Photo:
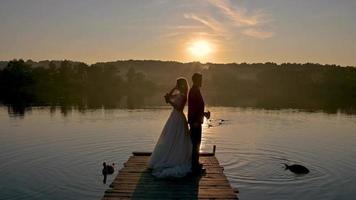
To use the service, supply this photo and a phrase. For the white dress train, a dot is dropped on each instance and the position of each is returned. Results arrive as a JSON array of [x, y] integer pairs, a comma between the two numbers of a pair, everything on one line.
[[172, 154]]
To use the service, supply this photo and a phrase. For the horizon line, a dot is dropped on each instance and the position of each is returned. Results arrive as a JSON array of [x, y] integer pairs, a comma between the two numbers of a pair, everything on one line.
[[176, 61]]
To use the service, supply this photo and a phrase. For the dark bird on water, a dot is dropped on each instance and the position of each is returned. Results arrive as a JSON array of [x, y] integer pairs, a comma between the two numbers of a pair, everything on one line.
[[297, 169], [108, 169]]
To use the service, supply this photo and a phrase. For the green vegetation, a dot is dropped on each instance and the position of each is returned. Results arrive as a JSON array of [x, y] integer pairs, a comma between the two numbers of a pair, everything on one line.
[[134, 84], [69, 84]]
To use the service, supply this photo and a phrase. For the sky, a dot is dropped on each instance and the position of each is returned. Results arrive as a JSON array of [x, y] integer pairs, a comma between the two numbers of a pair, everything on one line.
[[220, 31]]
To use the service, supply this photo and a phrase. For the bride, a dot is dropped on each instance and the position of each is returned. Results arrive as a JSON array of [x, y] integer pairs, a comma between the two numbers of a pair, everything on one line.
[[171, 156]]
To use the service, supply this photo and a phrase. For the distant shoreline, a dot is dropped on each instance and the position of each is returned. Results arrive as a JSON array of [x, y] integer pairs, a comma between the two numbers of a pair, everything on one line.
[[136, 84], [45, 62]]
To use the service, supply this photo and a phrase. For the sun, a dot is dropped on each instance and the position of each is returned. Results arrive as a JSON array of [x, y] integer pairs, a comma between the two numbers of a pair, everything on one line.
[[200, 49]]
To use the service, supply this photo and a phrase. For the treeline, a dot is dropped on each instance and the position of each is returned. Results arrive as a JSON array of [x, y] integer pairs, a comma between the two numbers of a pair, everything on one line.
[[299, 86], [70, 84], [134, 83]]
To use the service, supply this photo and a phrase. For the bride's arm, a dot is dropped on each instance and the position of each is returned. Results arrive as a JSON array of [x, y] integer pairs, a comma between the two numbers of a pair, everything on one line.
[[168, 96], [177, 102]]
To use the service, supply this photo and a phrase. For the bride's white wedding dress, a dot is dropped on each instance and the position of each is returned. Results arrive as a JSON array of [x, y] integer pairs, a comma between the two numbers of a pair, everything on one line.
[[172, 154]]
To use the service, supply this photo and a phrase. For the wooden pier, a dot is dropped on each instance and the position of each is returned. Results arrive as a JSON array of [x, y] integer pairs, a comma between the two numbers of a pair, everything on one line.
[[135, 181]]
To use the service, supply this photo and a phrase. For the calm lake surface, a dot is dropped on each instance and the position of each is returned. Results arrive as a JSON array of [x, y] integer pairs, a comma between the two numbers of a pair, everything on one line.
[[48, 155]]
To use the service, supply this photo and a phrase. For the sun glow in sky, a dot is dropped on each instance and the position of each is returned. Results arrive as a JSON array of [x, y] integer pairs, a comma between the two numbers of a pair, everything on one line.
[[200, 49], [222, 31]]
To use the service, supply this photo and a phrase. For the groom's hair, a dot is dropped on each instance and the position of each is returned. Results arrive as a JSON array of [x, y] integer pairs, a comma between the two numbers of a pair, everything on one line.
[[197, 77]]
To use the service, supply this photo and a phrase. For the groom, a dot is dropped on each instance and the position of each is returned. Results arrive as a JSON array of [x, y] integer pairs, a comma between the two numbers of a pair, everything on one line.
[[195, 119]]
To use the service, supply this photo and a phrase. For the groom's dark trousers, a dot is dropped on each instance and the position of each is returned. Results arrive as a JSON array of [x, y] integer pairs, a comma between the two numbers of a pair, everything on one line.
[[195, 119], [195, 135]]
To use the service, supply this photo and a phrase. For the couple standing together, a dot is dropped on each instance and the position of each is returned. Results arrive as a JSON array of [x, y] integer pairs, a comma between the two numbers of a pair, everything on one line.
[[176, 153]]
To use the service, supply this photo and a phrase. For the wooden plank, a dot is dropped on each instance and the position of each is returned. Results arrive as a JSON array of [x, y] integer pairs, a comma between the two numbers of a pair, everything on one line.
[[144, 153], [135, 181], [143, 170]]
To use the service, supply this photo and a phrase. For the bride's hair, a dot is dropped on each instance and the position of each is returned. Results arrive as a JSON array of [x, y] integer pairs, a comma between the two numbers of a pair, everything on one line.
[[182, 85]]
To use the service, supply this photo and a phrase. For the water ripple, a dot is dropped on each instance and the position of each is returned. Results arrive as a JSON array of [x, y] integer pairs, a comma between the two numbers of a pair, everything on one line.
[[63, 160]]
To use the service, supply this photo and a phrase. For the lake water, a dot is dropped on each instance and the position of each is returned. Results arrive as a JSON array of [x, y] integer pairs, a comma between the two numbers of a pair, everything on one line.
[[48, 155]]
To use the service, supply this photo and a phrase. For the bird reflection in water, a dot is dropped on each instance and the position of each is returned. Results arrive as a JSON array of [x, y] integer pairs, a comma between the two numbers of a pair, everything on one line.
[[107, 170]]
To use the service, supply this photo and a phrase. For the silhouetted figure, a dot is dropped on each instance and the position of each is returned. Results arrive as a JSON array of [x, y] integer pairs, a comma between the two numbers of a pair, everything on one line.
[[297, 169], [195, 119], [171, 156], [107, 170]]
